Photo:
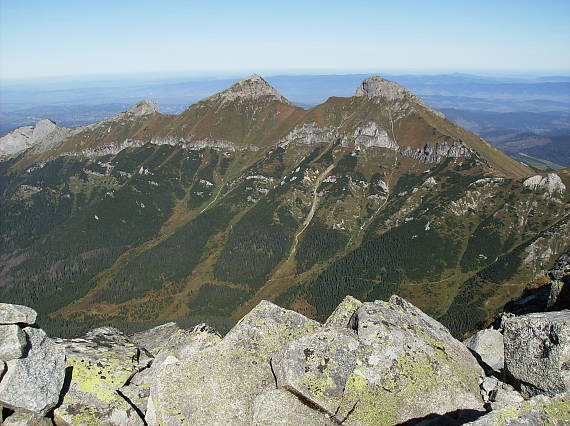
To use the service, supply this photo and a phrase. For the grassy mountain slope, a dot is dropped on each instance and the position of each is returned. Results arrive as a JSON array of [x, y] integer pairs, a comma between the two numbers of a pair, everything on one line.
[[345, 198]]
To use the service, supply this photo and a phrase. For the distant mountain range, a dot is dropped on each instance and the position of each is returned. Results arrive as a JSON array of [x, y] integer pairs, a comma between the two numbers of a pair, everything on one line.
[[145, 217]]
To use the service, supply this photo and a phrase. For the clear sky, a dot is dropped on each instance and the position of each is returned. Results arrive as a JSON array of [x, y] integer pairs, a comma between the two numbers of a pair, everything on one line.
[[65, 37]]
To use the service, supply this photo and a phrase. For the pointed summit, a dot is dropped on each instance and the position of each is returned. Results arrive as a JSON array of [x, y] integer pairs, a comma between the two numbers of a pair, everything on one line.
[[252, 88], [378, 87], [144, 107]]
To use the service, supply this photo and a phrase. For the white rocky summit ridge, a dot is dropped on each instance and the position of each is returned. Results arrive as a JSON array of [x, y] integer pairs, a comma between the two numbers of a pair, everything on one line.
[[24, 137], [253, 87]]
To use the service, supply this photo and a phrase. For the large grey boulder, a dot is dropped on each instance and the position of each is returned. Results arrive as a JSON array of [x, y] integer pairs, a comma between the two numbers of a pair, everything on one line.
[[488, 344], [540, 410], [537, 352], [102, 362], [409, 367], [280, 407], [12, 342], [17, 314], [33, 383], [316, 367], [343, 313], [219, 384]]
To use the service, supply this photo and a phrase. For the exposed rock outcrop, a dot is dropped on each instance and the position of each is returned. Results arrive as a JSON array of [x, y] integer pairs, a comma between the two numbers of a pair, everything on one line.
[[17, 314], [24, 137], [377, 88], [537, 352], [488, 344], [434, 153], [376, 363], [102, 363], [540, 410], [551, 183], [33, 382]]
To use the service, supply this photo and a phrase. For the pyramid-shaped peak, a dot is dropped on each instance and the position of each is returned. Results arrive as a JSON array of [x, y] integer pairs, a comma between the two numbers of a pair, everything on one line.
[[144, 107], [379, 87], [253, 87]]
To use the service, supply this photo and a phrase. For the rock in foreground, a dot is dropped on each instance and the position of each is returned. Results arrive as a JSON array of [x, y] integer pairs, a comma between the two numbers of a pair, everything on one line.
[[537, 352], [33, 383]]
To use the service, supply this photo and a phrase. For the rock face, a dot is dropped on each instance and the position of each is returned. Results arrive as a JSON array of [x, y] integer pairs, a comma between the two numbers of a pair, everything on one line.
[[550, 183], [102, 362], [409, 367], [12, 342], [24, 137], [488, 344], [537, 352], [33, 383], [20, 418], [376, 363], [372, 363], [17, 314], [377, 88], [540, 410], [315, 369], [219, 384], [434, 153], [344, 313]]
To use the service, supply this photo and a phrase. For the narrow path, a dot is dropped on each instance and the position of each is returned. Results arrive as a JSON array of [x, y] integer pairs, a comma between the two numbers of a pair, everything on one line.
[[309, 217]]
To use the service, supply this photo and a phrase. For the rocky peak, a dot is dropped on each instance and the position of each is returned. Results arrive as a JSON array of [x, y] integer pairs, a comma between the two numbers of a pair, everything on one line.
[[252, 88], [42, 128], [377, 88], [144, 107]]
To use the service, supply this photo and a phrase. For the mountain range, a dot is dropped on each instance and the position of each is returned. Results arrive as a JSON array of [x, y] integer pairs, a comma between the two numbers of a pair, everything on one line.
[[147, 217]]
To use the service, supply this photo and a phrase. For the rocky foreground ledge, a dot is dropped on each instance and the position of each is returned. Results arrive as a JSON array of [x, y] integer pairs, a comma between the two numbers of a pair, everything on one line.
[[377, 363]]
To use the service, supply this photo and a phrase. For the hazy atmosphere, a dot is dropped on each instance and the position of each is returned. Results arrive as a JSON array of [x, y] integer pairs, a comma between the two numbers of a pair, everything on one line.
[[311, 212]]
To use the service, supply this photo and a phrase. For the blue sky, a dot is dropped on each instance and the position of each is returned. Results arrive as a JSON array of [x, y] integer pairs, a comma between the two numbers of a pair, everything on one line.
[[54, 38]]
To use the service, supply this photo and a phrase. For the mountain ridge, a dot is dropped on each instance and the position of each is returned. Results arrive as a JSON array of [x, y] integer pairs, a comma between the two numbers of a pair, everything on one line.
[[201, 215], [201, 120]]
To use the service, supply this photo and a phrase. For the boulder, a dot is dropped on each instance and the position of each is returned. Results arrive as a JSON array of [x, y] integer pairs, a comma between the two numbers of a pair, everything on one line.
[[20, 418], [12, 342], [537, 352], [540, 410], [343, 313], [102, 363], [156, 338], [409, 366], [280, 407], [17, 314], [219, 384], [181, 345], [488, 344], [34, 383], [505, 396], [316, 367]]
